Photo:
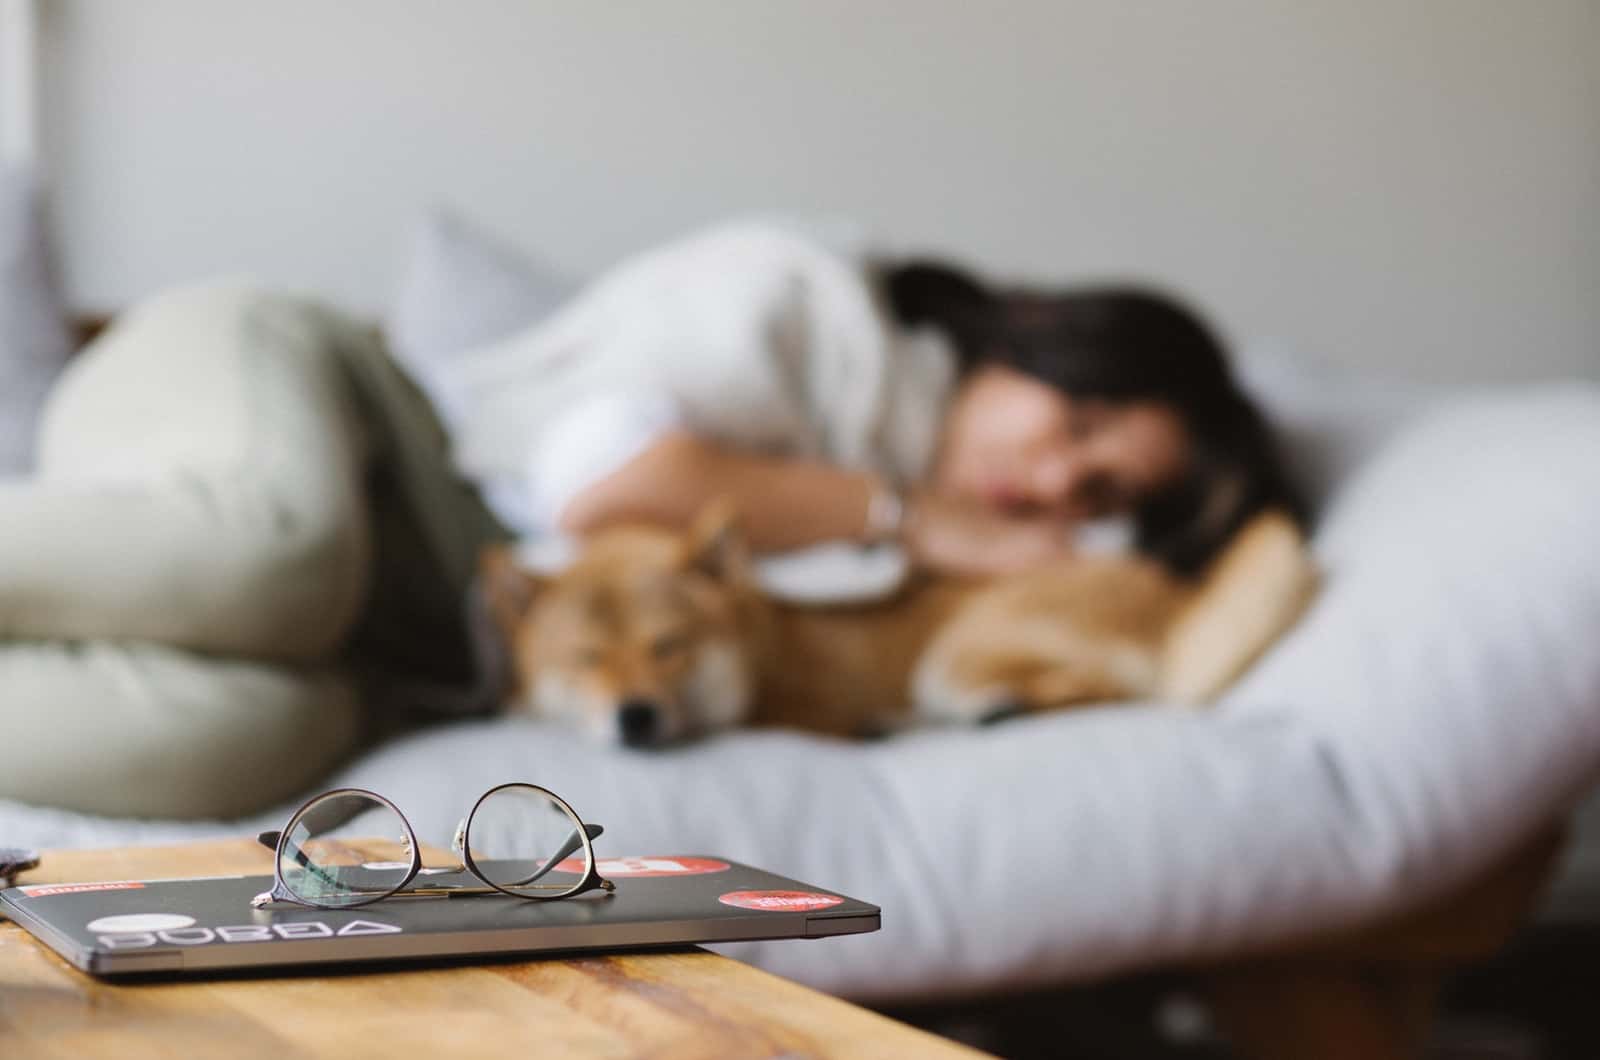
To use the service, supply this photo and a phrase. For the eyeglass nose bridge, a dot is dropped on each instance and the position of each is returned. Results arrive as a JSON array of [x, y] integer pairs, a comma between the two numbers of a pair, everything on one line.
[[458, 844]]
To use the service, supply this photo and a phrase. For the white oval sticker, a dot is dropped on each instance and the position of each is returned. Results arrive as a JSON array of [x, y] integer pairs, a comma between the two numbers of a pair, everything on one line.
[[140, 922]]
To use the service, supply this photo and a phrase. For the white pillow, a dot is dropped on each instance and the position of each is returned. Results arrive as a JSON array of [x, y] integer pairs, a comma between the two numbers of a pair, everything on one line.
[[460, 289], [34, 340], [1329, 421]]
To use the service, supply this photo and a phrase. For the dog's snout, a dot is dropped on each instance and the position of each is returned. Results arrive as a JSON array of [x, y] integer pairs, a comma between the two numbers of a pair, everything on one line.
[[639, 722], [1003, 712]]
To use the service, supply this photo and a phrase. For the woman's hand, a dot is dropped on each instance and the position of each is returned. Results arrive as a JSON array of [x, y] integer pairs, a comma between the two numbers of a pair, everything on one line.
[[959, 537]]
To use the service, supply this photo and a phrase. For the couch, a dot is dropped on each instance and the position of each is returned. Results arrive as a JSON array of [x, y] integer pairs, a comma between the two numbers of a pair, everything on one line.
[[1434, 711]]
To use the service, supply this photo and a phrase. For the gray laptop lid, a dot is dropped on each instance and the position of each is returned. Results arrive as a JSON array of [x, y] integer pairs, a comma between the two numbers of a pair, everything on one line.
[[141, 926]]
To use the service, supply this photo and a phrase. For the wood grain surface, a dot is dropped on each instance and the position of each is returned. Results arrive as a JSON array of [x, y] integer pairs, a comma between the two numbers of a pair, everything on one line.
[[687, 1003]]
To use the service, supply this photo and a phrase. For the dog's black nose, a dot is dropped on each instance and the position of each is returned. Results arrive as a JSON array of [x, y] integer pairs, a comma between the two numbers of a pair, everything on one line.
[[639, 721], [1004, 712]]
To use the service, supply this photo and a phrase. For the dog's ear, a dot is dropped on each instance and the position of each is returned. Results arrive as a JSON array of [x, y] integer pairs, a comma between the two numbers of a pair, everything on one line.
[[508, 588], [715, 543]]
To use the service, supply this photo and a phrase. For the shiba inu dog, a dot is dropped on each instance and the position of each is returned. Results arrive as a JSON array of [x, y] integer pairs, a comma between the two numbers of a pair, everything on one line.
[[655, 635]]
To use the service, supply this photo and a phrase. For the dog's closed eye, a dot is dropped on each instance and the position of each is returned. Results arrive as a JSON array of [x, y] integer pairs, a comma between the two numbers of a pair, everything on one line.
[[668, 645]]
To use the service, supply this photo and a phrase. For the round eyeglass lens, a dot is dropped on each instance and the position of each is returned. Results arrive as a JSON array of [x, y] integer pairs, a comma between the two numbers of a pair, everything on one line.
[[525, 840], [344, 849]]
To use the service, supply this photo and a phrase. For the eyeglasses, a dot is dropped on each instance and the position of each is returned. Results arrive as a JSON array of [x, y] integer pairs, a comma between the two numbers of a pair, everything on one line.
[[514, 837]]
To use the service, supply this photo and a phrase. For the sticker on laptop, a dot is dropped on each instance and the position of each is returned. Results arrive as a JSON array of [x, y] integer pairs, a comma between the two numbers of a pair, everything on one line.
[[49, 889], [780, 901], [642, 867], [140, 922]]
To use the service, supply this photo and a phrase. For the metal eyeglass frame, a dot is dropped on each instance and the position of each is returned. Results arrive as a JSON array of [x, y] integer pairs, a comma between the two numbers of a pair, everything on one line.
[[460, 845]]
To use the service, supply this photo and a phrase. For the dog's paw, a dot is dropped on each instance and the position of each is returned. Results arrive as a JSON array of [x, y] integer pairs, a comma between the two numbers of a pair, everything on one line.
[[936, 699]]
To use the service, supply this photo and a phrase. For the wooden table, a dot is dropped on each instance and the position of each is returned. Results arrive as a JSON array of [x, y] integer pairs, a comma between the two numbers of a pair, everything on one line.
[[688, 1003]]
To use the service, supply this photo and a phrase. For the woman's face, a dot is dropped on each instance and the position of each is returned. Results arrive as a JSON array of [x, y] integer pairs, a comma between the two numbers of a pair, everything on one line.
[[1021, 446]]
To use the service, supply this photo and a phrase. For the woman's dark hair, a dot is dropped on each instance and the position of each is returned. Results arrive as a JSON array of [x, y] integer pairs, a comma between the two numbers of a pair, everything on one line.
[[1121, 343]]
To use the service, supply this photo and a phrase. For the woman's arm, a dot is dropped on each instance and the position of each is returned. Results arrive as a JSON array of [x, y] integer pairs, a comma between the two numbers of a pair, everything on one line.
[[783, 502], [786, 503]]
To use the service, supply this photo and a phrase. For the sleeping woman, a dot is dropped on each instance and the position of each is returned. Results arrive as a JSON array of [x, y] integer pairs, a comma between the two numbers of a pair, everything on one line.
[[983, 429], [198, 579]]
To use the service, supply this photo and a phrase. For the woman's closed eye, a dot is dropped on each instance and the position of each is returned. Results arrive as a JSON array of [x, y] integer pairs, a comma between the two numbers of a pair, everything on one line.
[[1100, 494], [1082, 422], [1087, 418]]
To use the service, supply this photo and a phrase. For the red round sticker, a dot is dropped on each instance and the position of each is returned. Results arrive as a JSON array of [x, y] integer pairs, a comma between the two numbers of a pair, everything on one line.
[[780, 901], [652, 865]]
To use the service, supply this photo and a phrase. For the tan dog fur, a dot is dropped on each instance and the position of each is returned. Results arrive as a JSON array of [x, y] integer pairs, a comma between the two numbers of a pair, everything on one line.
[[673, 620]]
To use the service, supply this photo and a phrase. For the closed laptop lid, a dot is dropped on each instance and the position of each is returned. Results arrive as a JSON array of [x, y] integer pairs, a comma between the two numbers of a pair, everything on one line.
[[125, 927]]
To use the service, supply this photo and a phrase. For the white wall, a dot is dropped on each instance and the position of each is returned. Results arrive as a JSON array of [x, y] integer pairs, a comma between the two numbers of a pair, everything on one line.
[[1411, 185]]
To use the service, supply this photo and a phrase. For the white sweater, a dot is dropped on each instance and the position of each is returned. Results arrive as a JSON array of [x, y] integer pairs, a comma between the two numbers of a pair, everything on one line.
[[747, 334]]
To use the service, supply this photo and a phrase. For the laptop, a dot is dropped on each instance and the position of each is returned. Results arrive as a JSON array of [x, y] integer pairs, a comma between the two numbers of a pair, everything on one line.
[[135, 927]]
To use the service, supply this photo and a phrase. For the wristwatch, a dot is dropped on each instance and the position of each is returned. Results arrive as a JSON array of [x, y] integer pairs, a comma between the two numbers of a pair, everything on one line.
[[14, 860], [886, 514]]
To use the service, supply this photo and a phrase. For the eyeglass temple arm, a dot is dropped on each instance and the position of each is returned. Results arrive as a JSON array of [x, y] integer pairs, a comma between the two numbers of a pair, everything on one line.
[[270, 841], [572, 843]]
